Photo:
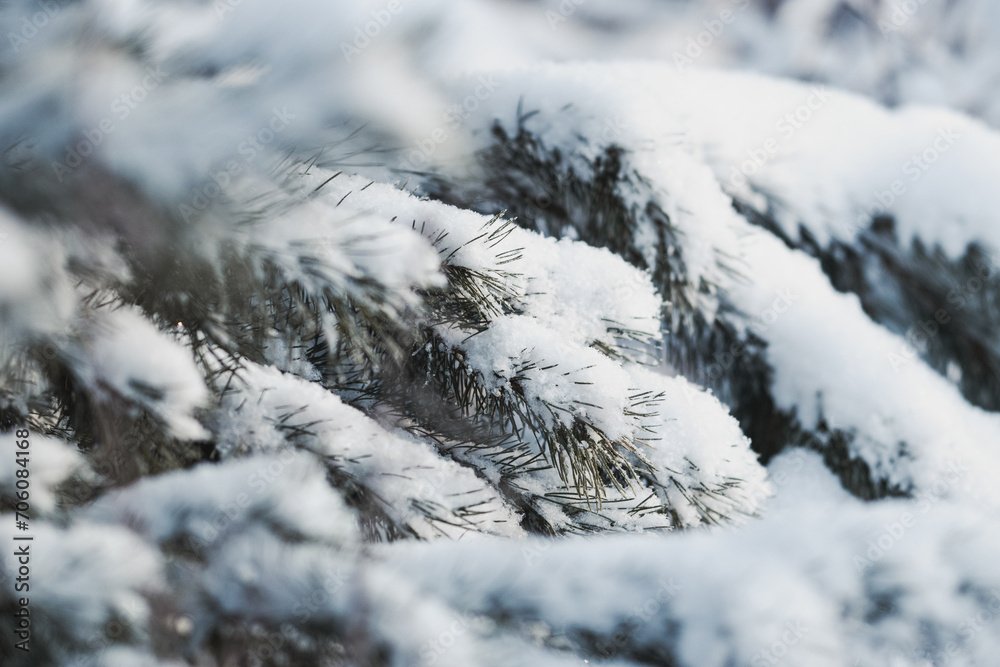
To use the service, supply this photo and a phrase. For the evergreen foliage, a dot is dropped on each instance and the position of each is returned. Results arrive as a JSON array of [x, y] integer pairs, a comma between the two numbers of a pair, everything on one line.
[[565, 393]]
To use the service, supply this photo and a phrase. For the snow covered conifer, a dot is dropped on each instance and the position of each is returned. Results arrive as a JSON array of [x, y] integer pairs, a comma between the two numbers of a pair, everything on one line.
[[271, 393]]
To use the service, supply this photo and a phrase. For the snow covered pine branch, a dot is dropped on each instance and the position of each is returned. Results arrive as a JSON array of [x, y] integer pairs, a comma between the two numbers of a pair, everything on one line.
[[314, 356]]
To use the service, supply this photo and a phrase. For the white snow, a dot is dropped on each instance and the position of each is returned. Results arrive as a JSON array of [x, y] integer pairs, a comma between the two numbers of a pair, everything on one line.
[[128, 358], [228, 103], [49, 462], [830, 360], [802, 577], [546, 354], [416, 486], [210, 503]]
